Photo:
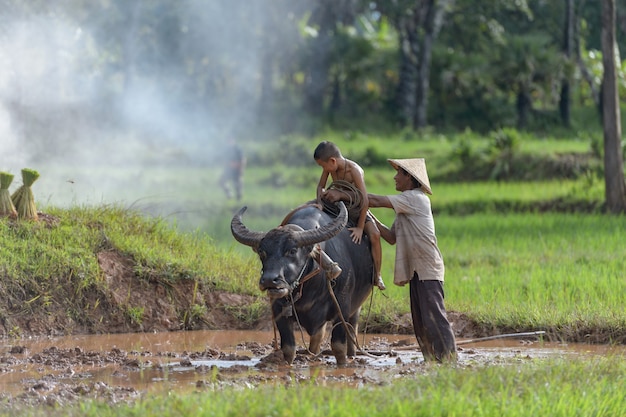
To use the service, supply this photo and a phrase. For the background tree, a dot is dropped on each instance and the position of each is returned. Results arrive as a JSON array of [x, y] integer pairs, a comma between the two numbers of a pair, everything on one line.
[[418, 24], [325, 21], [172, 69], [615, 186], [569, 23]]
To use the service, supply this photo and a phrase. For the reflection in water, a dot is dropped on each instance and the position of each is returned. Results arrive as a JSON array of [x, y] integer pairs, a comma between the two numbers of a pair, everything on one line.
[[169, 361]]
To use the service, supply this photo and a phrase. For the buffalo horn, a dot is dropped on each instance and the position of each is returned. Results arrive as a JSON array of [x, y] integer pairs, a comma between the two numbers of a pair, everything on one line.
[[242, 234], [310, 237]]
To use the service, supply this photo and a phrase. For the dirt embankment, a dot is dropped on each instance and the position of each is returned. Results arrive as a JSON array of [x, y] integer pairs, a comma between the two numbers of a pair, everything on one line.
[[128, 304], [125, 304]]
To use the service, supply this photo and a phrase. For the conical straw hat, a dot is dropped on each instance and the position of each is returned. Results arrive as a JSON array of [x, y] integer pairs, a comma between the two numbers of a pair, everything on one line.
[[417, 168]]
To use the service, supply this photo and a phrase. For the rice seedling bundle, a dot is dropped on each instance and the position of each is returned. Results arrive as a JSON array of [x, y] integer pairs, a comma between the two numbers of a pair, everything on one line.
[[23, 197], [6, 204]]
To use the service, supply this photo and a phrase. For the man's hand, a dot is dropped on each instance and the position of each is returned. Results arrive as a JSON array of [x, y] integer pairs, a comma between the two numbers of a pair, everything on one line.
[[357, 234]]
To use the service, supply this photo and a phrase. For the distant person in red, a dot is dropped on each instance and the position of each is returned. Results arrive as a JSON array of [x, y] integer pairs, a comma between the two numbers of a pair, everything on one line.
[[231, 180]]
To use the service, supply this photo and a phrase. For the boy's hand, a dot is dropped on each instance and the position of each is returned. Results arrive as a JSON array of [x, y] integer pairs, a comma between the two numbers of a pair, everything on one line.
[[332, 196], [357, 234]]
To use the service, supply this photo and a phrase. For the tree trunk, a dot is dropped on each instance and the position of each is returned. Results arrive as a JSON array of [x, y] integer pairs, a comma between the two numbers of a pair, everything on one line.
[[317, 77], [523, 106], [568, 51], [328, 14], [615, 185], [420, 118], [431, 18], [319, 63], [406, 92]]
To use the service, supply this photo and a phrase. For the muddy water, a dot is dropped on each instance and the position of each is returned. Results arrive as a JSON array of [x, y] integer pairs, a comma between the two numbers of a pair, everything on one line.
[[182, 361]]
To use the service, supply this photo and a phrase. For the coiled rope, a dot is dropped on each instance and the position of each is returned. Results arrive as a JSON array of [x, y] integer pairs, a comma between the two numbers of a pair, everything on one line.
[[352, 198]]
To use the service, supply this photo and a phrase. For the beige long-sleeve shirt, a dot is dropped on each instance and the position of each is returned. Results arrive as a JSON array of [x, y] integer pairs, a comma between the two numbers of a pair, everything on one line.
[[416, 242]]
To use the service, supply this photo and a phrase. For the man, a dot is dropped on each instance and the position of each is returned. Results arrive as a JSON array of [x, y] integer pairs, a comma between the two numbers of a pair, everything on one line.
[[418, 259], [231, 179]]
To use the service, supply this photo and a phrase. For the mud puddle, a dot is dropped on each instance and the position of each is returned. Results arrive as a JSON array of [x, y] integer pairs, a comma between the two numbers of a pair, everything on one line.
[[122, 367]]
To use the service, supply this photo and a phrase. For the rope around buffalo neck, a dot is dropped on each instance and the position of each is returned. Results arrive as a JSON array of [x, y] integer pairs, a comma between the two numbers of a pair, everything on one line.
[[353, 198], [301, 280]]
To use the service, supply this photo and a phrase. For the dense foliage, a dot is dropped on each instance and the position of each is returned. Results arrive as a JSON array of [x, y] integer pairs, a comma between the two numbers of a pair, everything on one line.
[[197, 69]]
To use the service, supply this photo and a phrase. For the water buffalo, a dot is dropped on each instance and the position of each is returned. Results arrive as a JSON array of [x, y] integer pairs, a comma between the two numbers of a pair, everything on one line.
[[285, 254]]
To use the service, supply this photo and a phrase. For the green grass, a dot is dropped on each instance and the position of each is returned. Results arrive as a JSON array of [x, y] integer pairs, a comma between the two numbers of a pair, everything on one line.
[[510, 266], [574, 387], [41, 257], [537, 271], [507, 263], [522, 271]]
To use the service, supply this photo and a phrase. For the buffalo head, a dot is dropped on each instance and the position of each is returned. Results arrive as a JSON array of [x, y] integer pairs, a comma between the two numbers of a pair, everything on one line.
[[284, 251]]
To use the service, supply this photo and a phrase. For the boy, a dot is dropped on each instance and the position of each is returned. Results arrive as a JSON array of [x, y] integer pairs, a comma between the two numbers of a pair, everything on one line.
[[348, 175]]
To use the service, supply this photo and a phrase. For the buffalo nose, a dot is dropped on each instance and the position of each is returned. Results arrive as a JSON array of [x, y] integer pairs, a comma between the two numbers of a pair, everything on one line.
[[270, 281]]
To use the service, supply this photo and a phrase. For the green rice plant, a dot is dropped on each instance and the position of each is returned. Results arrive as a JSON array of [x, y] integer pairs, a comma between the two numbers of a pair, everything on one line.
[[23, 197], [561, 272], [7, 208], [523, 272]]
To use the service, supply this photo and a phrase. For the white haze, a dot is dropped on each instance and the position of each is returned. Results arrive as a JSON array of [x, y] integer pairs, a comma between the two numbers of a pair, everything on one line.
[[57, 115]]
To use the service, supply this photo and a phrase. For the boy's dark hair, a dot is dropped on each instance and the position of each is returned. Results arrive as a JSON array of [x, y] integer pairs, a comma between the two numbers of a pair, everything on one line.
[[326, 150]]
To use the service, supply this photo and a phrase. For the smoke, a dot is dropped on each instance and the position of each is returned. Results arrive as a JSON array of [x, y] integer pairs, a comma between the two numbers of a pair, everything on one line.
[[110, 100]]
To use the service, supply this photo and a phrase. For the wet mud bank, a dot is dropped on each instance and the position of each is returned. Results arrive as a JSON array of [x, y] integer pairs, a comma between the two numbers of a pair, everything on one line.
[[124, 367]]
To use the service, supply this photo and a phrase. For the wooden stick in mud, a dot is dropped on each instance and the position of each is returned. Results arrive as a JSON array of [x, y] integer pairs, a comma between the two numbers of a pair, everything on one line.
[[482, 339]]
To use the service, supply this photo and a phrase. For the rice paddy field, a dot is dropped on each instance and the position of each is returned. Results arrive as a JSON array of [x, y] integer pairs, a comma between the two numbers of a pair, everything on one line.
[[517, 269]]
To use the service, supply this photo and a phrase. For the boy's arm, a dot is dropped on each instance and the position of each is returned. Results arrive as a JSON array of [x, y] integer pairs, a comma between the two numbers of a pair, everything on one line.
[[359, 182], [321, 185]]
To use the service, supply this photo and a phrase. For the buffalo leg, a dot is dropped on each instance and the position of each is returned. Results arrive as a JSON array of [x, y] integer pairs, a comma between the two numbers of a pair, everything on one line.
[[287, 342], [316, 339], [285, 329], [354, 332], [338, 344]]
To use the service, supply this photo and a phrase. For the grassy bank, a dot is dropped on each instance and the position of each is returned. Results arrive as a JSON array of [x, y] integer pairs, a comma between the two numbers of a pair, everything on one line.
[[520, 255], [562, 273], [507, 272]]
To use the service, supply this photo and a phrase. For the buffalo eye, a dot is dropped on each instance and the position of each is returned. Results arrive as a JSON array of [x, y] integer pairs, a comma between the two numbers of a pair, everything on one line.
[[292, 252]]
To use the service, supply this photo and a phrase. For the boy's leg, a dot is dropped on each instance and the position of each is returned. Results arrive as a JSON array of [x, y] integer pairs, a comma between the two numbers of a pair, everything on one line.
[[377, 253]]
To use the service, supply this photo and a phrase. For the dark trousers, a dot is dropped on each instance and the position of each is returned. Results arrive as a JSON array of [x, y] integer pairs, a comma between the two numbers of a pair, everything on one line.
[[430, 322], [231, 181]]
